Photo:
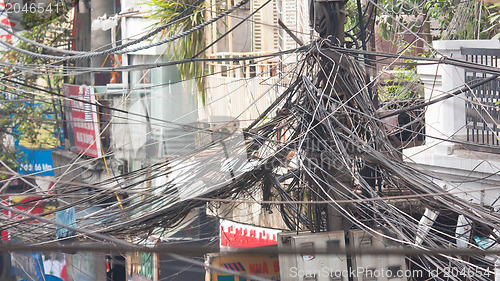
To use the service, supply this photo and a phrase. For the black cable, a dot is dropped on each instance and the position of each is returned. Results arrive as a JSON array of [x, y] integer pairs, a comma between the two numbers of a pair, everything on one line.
[[115, 49], [463, 89], [106, 107]]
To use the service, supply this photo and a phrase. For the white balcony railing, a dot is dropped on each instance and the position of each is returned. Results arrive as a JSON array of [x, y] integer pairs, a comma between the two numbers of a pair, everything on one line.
[[261, 67]]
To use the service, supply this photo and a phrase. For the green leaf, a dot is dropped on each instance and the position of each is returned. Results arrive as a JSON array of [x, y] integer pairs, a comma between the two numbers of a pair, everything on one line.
[[494, 18], [494, 5], [189, 45]]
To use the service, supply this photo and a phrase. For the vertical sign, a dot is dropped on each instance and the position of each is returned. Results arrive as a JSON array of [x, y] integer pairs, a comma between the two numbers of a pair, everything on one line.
[[84, 267], [28, 266], [66, 217], [81, 114], [147, 265]]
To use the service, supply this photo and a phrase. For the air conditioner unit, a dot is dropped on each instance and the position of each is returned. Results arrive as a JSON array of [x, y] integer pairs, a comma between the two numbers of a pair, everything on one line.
[[376, 267], [307, 266]]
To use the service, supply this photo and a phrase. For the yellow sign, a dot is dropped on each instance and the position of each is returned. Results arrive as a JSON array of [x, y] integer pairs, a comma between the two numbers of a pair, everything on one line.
[[45, 138], [266, 266]]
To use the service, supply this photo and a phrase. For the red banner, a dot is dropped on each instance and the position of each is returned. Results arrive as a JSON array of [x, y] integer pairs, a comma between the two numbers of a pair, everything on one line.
[[237, 236], [82, 117]]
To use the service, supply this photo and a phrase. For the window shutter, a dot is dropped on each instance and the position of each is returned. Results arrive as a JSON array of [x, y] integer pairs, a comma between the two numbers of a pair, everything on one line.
[[265, 35]]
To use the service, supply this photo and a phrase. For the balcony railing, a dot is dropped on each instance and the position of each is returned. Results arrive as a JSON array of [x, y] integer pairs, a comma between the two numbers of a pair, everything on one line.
[[243, 69], [482, 110]]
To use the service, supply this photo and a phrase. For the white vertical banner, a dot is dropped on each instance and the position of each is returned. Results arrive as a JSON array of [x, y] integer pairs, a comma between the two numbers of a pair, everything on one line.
[[10, 18]]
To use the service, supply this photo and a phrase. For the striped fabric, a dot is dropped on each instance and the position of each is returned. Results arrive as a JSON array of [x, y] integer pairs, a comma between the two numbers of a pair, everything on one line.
[[236, 266]]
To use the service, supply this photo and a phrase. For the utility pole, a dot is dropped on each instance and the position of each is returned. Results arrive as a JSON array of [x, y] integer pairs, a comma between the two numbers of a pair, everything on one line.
[[101, 40], [82, 38], [328, 18], [92, 40]]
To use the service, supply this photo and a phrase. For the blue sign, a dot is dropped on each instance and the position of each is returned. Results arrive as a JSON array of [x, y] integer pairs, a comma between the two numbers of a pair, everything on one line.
[[27, 266], [37, 162], [52, 278], [66, 217]]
